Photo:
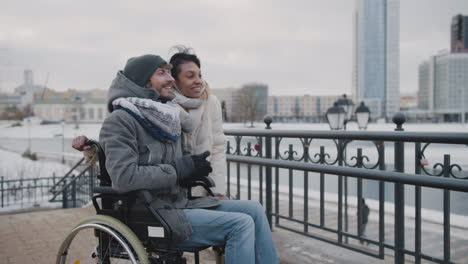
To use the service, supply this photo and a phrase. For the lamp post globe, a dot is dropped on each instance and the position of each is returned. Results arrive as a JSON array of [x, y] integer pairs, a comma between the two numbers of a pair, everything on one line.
[[336, 116], [362, 116], [347, 105]]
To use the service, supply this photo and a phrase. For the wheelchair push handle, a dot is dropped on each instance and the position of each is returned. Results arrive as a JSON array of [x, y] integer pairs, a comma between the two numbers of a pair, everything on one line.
[[104, 176], [91, 142]]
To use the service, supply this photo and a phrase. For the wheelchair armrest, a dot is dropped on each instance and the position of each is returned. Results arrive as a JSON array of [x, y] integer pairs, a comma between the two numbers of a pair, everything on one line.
[[205, 184], [104, 190]]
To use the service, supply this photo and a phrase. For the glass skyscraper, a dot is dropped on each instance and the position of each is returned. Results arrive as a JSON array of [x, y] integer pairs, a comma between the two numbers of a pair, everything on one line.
[[376, 56], [459, 34]]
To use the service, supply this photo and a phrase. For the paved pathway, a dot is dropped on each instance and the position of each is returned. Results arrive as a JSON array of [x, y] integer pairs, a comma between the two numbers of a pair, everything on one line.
[[34, 237]]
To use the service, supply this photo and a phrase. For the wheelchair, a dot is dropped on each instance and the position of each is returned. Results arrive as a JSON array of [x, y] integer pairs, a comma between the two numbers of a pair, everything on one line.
[[124, 232]]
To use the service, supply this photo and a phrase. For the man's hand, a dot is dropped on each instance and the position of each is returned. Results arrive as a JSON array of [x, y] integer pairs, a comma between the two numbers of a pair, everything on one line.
[[79, 143]]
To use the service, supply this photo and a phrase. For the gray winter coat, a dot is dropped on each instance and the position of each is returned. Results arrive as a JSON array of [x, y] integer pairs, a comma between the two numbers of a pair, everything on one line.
[[136, 160]]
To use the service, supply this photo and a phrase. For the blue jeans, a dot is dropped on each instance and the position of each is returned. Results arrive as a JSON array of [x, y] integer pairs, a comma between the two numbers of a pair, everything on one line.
[[241, 226]]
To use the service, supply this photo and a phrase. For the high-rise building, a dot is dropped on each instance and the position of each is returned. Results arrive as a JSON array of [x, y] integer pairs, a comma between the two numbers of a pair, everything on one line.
[[376, 55], [426, 84], [443, 86], [459, 34]]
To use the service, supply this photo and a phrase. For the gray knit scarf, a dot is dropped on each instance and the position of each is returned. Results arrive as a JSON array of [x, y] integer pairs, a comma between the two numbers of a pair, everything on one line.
[[160, 120]]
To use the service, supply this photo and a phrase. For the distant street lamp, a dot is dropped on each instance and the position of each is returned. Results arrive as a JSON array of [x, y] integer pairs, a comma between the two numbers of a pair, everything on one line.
[[336, 116], [348, 107], [77, 110], [63, 141], [342, 112], [362, 115], [28, 151]]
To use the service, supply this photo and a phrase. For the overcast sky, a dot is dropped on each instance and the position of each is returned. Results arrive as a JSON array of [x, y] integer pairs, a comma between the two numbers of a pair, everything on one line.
[[296, 47]]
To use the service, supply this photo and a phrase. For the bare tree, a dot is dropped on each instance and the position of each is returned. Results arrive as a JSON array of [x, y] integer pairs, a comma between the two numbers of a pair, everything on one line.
[[252, 100]]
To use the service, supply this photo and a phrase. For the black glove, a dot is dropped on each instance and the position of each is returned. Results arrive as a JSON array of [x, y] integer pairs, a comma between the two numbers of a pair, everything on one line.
[[190, 167], [202, 166]]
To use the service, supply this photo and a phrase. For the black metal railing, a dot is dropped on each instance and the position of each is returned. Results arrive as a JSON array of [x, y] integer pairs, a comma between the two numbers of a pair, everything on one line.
[[311, 184], [25, 192], [56, 188], [308, 157], [75, 190]]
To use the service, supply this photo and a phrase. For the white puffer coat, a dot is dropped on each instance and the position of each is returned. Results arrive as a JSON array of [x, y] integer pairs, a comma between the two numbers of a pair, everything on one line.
[[207, 135]]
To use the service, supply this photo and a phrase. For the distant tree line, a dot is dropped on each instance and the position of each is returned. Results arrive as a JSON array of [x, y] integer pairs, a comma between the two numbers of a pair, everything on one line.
[[16, 113]]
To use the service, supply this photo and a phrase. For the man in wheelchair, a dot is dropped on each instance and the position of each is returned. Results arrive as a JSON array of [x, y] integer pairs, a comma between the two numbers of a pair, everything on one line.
[[141, 142]]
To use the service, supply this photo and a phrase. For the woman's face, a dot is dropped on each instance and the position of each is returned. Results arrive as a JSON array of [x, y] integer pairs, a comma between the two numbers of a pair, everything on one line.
[[189, 80]]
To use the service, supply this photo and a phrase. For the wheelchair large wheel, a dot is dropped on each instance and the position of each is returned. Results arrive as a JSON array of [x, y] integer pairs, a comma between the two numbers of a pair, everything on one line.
[[104, 240]]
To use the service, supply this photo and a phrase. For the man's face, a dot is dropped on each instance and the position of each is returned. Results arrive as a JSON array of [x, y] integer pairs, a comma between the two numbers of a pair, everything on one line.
[[162, 81]]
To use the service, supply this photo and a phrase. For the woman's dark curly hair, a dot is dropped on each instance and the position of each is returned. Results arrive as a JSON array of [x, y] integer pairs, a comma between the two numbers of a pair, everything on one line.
[[182, 55]]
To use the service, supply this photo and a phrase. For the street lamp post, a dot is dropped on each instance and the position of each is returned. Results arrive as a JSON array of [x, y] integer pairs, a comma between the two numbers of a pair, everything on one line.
[[63, 141], [338, 116], [29, 136], [77, 110]]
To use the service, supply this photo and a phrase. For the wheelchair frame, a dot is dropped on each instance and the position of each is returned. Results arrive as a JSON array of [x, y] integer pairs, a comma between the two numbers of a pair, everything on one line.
[[139, 235]]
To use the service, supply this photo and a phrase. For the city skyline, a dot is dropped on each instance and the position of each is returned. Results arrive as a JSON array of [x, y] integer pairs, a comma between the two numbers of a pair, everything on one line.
[[295, 48]]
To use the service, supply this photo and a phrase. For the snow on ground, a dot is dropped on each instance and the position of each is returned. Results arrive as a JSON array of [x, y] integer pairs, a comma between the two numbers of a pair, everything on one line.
[[48, 131], [14, 166]]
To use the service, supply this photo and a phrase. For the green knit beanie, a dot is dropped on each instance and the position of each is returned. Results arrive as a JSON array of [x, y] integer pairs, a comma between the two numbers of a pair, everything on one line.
[[140, 69]]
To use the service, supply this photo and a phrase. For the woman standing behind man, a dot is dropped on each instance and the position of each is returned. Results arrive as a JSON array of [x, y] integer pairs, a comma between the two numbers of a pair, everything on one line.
[[192, 93]]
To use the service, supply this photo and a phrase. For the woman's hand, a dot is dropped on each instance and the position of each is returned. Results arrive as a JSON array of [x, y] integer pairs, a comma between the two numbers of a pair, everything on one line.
[[221, 196], [79, 143]]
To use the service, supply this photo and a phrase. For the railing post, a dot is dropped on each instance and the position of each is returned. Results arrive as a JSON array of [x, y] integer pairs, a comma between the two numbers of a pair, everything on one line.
[[360, 205], [91, 182], [260, 168], [417, 204], [291, 198], [322, 188], [268, 155], [2, 190], [65, 195], [277, 183], [399, 203], [238, 168], [249, 172], [228, 170], [447, 171], [381, 151], [73, 194], [306, 191], [340, 194]]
